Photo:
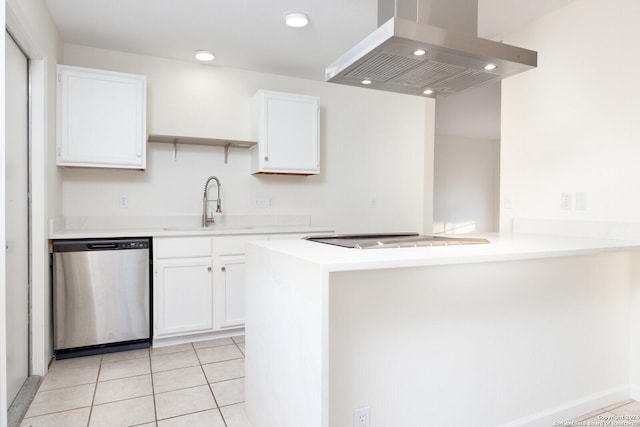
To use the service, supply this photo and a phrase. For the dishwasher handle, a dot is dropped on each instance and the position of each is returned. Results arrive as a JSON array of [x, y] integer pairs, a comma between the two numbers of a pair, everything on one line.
[[102, 246]]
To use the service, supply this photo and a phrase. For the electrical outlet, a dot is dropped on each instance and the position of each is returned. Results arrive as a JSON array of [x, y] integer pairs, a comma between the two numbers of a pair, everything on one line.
[[565, 201], [361, 417], [123, 201], [259, 202], [507, 201], [262, 202]]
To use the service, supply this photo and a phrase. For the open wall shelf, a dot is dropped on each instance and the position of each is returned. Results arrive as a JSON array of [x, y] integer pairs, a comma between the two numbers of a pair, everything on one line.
[[213, 142]]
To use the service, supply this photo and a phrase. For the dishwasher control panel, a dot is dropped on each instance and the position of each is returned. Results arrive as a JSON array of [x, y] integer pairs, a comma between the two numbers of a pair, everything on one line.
[[134, 245]]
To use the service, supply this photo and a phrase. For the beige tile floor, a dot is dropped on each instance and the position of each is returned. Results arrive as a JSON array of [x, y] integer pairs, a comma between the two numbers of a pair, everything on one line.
[[621, 414], [198, 384]]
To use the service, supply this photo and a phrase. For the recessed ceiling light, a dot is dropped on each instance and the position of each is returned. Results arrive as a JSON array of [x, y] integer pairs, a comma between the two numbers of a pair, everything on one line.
[[419, 52], [296, 20], [428, 91], [204, 55], [366, 82], [490, 67]]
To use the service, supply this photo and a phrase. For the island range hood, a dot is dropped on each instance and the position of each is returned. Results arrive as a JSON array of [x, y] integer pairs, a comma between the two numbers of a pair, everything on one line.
[[428, 48]]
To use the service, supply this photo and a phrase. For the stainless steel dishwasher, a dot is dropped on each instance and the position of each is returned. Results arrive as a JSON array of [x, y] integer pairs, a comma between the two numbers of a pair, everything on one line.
[[101, 295]]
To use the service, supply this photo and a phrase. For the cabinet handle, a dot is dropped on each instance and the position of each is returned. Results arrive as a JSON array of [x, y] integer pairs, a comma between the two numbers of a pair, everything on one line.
[[266, 158], [223, 269], [208, 268]]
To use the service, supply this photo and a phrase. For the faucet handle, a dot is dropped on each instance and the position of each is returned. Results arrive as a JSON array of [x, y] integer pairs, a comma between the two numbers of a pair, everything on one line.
[[208, 219]]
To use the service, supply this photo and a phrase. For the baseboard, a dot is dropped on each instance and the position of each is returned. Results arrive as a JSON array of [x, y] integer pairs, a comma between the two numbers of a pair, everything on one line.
[[634, 392], [555, 416], [183, 339], [23, 400]]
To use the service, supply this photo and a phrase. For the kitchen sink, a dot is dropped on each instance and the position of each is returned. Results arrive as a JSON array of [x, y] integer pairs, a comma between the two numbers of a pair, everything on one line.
[[210, 227]]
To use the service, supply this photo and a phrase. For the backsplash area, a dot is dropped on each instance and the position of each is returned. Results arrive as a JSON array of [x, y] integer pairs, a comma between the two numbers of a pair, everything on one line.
[[80, 223]]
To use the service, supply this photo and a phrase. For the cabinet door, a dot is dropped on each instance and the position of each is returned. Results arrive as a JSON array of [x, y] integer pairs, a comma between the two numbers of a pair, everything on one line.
[[101, 118], [287, 133], [184, 296], [229, 296]]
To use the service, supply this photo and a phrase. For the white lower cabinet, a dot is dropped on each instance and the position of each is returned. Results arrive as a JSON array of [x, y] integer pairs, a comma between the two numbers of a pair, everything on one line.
[[184, 295], [229, 291], [182, 286], [199, 283], [228, 288]]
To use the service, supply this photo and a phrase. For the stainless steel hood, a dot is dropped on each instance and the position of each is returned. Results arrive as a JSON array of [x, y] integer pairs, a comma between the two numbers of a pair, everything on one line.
[[414, 57]]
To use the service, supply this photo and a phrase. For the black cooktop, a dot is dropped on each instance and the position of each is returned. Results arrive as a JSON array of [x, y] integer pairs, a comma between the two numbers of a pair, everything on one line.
[[392, 240]]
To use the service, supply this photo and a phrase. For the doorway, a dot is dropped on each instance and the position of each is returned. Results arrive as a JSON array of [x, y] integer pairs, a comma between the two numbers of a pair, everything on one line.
[[466, 184], [17, 223]]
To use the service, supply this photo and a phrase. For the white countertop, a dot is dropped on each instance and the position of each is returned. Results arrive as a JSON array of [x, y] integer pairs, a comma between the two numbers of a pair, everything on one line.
[[113, 227], [503, 247], [186, 231]]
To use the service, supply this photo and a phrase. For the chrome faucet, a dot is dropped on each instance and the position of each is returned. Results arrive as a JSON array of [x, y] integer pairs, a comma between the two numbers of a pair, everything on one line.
[[209, 219]]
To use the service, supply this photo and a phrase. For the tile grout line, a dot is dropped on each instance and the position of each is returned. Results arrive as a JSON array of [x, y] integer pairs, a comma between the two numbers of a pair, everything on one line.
[[210, 388], [57, 412], [618, 405], [153, 390], [95, 389]]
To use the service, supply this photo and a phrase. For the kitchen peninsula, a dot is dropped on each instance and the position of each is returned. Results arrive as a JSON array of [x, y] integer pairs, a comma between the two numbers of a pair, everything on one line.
[[525, 331]]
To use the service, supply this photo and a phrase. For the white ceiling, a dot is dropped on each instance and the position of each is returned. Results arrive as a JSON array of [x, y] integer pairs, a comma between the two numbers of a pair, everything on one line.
[[250, 34]]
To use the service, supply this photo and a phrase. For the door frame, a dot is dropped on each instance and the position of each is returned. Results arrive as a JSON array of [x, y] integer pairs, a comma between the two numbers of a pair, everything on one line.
[[3, 242], [13, 19]]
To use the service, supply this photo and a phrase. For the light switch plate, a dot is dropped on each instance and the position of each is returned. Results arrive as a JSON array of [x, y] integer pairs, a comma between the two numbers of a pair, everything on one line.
[[581, 201]]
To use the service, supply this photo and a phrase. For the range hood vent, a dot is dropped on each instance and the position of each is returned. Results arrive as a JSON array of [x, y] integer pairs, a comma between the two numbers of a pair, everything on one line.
[[412, 56]]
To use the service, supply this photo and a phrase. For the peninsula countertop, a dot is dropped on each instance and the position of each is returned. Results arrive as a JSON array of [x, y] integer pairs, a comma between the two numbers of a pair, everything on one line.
[[502, 247]]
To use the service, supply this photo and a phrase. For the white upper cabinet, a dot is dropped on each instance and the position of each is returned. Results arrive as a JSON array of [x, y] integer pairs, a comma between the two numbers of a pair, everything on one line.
[[101, 118], [286, 127]]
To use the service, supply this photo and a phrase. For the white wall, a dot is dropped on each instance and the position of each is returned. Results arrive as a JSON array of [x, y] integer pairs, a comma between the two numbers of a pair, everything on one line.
[[571, 125], [373, 146], [466, 185], [473, 113]]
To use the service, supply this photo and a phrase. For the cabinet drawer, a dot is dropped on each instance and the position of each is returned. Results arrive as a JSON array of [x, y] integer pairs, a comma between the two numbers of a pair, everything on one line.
[[182, 247], [234, 245]]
